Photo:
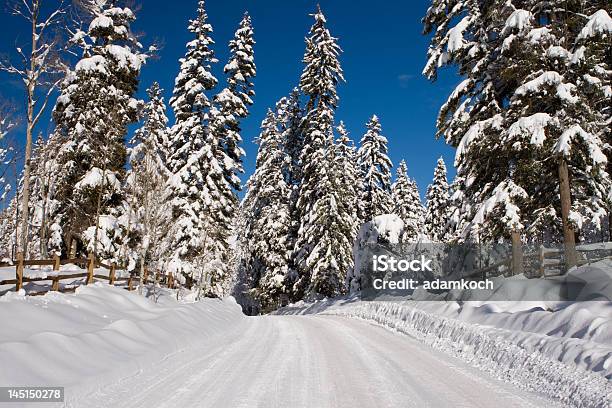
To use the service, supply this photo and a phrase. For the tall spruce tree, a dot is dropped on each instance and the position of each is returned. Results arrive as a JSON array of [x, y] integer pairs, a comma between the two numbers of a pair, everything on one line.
[[290, 115], [375, 167], [349, 176], [264, 237], [197, 238], [231, 105], [321, 239], [436, 214], [92, 114], [407, 203]]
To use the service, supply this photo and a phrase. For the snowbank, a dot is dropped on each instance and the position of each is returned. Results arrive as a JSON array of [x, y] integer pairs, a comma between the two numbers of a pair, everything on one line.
[[100, 334], [560, 349]]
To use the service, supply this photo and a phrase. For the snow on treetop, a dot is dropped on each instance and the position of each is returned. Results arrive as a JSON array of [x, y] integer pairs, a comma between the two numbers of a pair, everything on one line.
[[122, 12], [100, 22], [95, 63], [599, 23]]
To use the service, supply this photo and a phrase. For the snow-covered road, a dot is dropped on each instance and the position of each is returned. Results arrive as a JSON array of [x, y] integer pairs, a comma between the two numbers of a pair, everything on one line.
[[307, 361]]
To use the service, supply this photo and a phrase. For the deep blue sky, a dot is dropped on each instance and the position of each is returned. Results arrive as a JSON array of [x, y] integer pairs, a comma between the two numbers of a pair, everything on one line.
[[384, 53]]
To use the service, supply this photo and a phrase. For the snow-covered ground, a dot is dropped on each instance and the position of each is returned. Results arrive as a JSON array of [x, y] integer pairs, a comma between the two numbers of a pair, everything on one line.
[[101, 335], [560, 349], [114, 348]]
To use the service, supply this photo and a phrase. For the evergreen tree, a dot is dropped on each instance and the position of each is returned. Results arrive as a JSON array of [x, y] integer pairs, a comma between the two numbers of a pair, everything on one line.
[[92, 114], [349, 177], [375, 168], [531, 103], [290, 117], [197, 240], [231, 105], [436, 214], [264, 235], [8, 228], [38, 200], [321, 239], [348, 188], [407, 203], [146, 182]]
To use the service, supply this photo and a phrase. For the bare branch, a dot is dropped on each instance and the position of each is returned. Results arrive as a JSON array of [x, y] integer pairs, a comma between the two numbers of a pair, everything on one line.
[[45, 101]]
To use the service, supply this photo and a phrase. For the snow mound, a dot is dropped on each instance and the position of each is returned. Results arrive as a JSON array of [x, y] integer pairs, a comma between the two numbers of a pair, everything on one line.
[[99, 334]]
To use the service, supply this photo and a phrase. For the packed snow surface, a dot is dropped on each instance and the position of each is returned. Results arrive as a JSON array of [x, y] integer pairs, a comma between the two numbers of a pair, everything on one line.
[[559, 349], [114, 348]]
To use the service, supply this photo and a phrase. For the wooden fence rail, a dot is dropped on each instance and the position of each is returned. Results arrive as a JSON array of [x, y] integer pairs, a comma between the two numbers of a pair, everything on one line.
[[549, 262], [90, 264]]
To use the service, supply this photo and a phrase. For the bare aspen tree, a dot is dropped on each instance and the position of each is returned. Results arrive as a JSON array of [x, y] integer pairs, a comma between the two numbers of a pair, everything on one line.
[[40, 70]]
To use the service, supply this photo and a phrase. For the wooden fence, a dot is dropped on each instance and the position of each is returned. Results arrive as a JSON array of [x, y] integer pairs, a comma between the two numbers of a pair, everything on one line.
[[90, 264], [549, 262]]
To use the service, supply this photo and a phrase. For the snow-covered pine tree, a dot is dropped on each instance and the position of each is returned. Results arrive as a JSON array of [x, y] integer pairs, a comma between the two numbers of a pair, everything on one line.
[[264, 237], [39, 187], [407, 203], [525, 95], [375, 167], [321, 240], [290, 120], [92, 113], [349, 175], [436, 213], [198, 237], [290, 116], [348, 190], [8, 227], [230, 106], [145, 185]]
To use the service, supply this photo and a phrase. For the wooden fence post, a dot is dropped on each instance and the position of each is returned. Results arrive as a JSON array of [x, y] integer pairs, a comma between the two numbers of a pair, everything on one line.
[[170, 280], [91, 260], [111, 273], [56, 268], [146, 275], [19, 272], [517, 253], [130, 287]]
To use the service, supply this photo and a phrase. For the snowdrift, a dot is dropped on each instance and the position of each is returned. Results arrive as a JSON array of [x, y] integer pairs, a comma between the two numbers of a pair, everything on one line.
[[100, 334]]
